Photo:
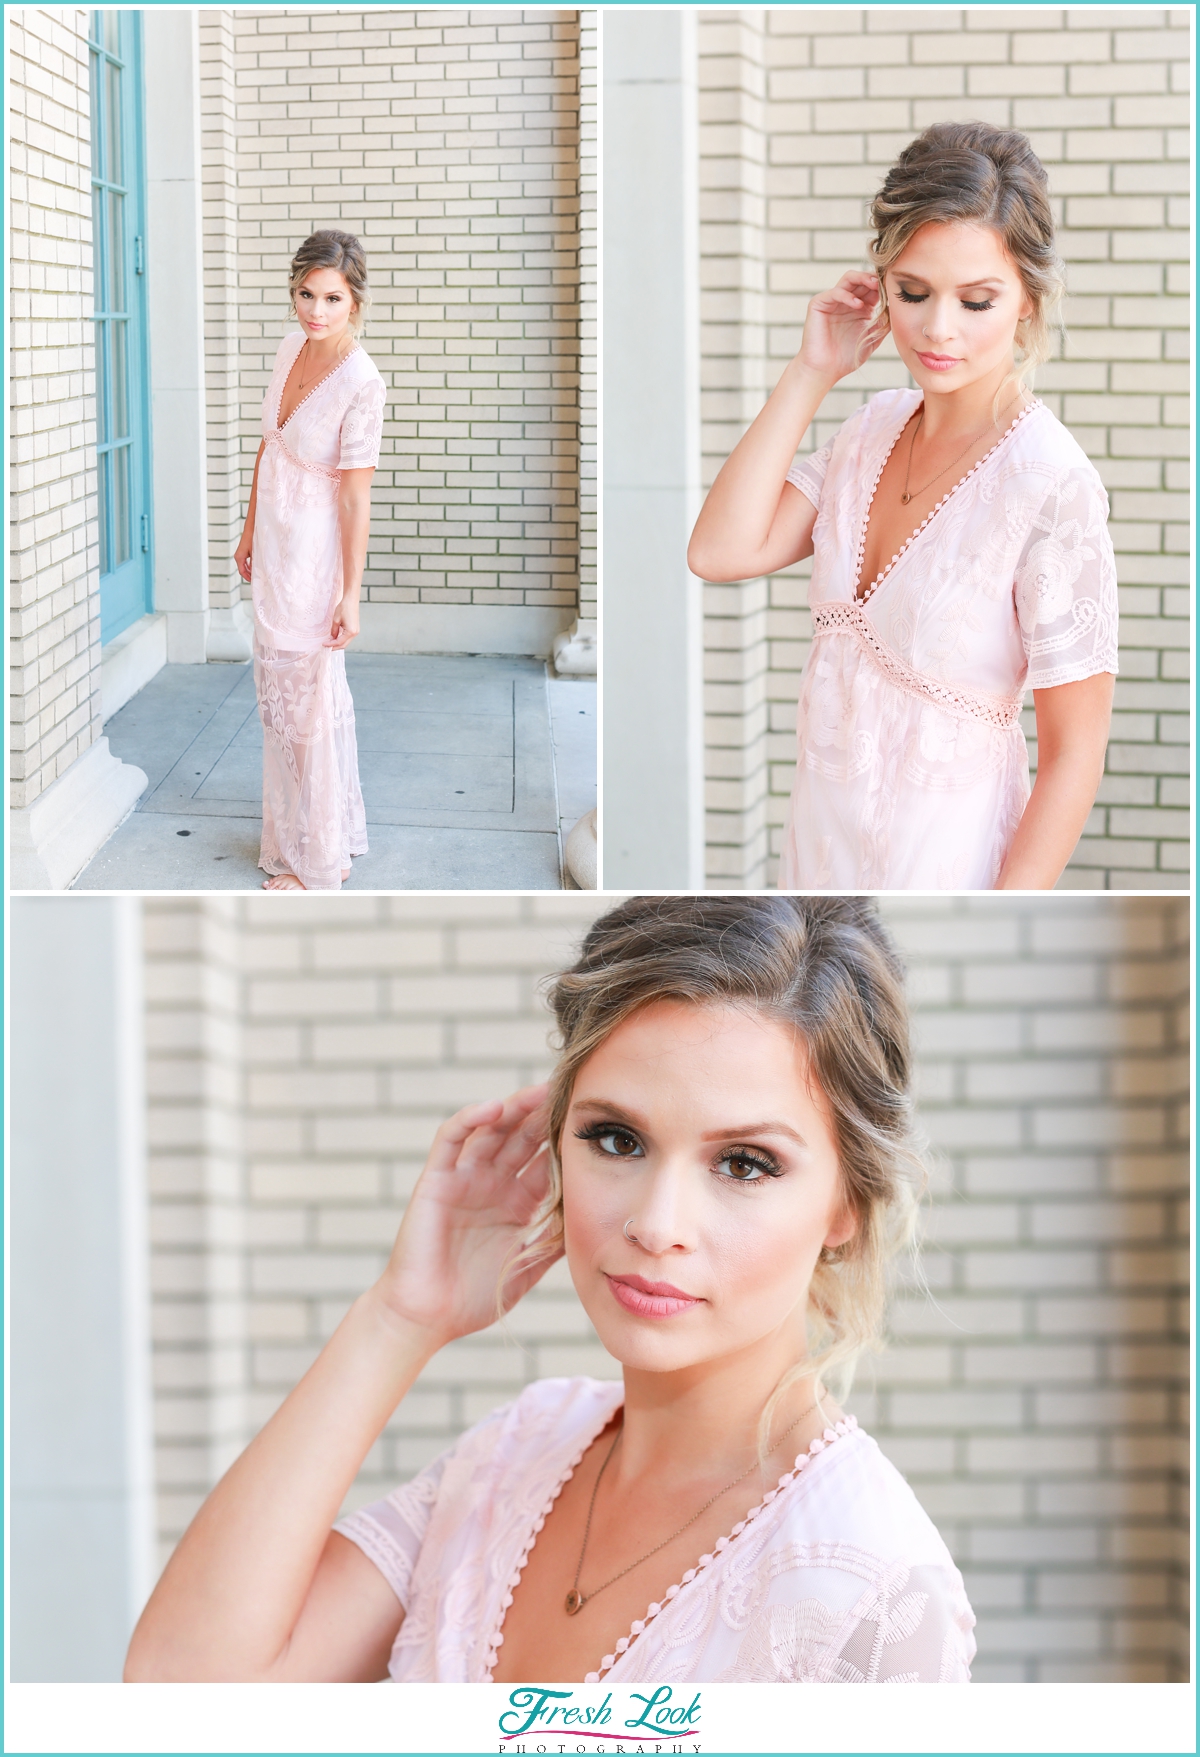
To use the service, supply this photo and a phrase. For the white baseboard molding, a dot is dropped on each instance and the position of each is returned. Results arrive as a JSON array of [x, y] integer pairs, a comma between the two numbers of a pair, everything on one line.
[[230, 634], [508, 629], [52, 840], [129, 661]]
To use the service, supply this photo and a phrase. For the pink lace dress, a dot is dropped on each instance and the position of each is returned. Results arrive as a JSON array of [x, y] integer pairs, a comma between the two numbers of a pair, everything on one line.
[[836, 1577], [912, 771], [313, 817]]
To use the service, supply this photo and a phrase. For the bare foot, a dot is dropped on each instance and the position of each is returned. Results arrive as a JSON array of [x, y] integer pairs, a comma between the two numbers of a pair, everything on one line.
[[283, 881], [345, 875]]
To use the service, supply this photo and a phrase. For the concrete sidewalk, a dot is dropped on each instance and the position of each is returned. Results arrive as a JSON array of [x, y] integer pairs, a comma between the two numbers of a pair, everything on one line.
[[473, 770]]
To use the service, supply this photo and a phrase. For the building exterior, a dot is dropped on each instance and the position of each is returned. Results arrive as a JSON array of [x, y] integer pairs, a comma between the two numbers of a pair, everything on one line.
[[784, 122], [164, 167]]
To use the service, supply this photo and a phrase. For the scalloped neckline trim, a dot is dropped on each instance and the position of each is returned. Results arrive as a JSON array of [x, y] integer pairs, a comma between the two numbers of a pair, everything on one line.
[[845, 1427], [592, 1434], [848, 1425], [332, 373], [1028, 409]]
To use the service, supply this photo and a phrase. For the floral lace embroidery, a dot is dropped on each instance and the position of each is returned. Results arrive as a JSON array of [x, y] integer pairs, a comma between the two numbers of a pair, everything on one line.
[[851, 619]]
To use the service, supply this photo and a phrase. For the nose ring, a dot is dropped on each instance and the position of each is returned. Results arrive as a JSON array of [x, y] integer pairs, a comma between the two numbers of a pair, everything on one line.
[[633, 1238]]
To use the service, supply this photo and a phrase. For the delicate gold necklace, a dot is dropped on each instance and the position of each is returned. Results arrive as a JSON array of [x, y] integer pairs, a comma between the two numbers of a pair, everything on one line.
[[575, 1599], [906, 496]]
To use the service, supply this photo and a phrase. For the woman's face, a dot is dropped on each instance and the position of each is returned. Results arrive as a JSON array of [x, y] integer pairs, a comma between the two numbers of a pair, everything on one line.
[[955, 299], [325, 305], [700, 1127]]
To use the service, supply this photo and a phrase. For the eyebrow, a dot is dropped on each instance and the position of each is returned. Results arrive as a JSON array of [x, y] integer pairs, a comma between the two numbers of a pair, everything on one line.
[[742, 1132], [963, 286]]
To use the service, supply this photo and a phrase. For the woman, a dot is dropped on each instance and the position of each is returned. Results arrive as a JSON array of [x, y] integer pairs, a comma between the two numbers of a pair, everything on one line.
[[961, 553], [725, 1155], [304, 549]]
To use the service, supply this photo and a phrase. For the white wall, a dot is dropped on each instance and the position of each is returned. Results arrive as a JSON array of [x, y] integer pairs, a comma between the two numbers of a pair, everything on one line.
[[82, 1506]]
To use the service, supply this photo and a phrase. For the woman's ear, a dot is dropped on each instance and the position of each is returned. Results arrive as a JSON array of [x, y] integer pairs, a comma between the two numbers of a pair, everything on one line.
[[843, 1229]]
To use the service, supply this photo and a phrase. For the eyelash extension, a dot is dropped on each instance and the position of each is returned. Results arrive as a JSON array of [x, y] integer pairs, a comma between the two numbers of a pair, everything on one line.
[[761, 1161], [970, 304], [597, 1131]]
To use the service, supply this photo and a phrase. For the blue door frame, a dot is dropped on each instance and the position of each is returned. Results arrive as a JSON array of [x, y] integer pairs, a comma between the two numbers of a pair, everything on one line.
[[122, 360]]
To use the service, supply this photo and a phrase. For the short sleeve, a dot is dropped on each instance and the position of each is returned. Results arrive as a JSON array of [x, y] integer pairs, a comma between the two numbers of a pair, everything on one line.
[[1065, 585], [390, 1532], [362, 427], [808, 473], [850, 1618]]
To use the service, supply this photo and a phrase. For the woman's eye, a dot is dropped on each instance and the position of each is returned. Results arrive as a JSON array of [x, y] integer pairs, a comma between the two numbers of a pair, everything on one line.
[[912, 298], [978, 305], [617, 1144], [747, 1168]]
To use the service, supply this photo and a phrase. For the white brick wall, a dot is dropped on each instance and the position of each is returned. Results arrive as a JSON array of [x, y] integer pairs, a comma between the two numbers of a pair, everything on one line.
[[53, 567], [449, 142], [801, 114], [301, 1058]]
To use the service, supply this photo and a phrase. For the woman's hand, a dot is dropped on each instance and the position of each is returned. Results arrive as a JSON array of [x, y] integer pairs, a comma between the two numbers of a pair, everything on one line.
[[841, 328], [344, 624], [241, 554], [487, 1171]]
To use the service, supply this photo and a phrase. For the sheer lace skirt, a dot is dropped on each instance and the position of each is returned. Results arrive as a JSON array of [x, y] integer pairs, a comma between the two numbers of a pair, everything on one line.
[[313, 816]]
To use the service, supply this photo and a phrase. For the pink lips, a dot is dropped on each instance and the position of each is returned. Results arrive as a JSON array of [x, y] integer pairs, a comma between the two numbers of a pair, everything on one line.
[[650, 1299], [938, 362]]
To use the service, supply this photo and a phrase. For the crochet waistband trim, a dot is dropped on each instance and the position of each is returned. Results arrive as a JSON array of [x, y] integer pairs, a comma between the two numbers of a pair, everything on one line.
[[851, 619]]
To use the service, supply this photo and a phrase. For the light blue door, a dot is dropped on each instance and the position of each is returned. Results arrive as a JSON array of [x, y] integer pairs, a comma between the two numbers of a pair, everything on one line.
[[122, 363]]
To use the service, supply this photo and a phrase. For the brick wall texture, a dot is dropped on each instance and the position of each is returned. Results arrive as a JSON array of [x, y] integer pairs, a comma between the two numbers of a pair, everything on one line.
[[449, 142], [802, 112], [54, 582], [301, 1058]]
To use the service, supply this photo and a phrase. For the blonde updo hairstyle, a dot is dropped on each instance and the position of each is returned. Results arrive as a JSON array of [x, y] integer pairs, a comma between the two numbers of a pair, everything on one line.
[[970, 171], [343, 252], [827, 970]]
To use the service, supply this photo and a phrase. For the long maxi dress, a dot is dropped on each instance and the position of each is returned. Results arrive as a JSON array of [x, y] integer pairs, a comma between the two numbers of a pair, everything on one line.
[[313, 815], [912, 771], [837, 1576]]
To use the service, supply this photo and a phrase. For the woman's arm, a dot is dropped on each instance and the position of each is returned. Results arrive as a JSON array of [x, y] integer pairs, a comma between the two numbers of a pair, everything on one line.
[[753, 521], [241, 554], [1072, 732], [354, 525], [259, 1589]]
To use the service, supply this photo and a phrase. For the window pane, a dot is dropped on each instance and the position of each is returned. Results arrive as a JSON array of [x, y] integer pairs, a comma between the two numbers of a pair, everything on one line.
[[112, 116], [102, 483], [112, 28], [98, 270], [103, 429], [118, 367], [115, 251], [122, 511]]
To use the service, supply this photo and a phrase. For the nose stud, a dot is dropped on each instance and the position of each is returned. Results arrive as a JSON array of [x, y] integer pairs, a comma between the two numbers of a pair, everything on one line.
[[632, 1237]]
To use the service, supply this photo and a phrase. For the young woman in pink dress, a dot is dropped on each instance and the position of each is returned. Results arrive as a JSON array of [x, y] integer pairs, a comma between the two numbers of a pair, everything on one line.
[[303, 550], [725, 1156], [960, 545]]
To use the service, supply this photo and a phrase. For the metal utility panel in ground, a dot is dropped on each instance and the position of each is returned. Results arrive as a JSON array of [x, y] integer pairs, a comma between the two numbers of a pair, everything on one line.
[[456, 756]]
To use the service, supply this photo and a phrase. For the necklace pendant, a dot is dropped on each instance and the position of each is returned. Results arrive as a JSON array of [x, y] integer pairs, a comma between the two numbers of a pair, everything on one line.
[[574, 1601], [904, 499]]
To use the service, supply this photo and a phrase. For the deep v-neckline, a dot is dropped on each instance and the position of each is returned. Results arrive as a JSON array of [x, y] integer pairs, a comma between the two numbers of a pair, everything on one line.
[[841, 1430], [860, 597], [324, 379]]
